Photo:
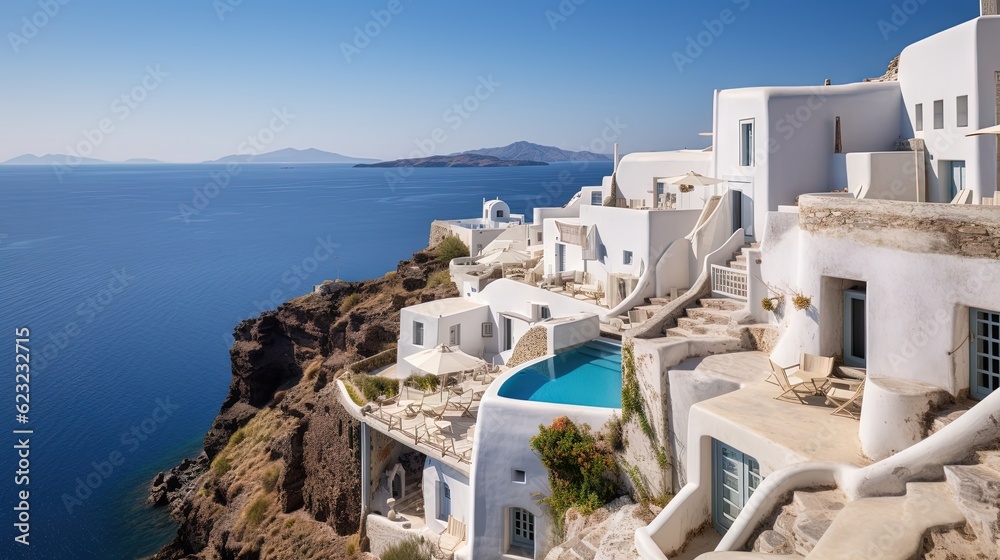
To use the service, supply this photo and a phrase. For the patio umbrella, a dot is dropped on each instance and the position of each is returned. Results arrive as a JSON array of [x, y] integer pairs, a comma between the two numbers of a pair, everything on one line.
[[443, 359], [983, 131], [505, 256], [692, 179]]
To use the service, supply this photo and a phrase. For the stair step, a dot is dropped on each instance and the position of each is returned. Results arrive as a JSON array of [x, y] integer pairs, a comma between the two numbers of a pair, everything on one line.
[[989, 459], [897, 525], [710, 315], [710, 329], [947, 416], [738, 265], [679, 332], [816, 512], [741, 258], [688, 323], [977, 490], [724, 304]]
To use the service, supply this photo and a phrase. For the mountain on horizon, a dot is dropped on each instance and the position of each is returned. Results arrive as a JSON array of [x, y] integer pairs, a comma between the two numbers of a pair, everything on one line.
[[292, 155], [52, 159], [536, 152], [457, 160]]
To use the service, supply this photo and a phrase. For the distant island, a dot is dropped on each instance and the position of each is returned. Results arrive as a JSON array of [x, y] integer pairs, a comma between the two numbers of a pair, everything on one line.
[[459, 160], [291, 155], [536, 152], [53, 159]]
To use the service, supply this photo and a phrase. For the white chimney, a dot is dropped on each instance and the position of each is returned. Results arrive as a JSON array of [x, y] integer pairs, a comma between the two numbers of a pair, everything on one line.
[[616, 158], [989, 7]]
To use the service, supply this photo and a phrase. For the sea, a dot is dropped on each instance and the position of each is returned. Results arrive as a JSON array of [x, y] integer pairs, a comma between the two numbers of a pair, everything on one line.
[[123, 283]]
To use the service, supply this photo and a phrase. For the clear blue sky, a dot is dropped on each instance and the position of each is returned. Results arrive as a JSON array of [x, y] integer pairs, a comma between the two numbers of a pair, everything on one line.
[[559, 79]]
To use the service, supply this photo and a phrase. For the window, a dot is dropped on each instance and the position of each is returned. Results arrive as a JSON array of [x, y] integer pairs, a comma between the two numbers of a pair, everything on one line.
[[544, 312], [508, 334], [487, 330], [596, 199], [919, 117], [539, 237], [444, 501], [418, 333], [522, 533], [938, 114], [746, 143], [455, 335], [985, 363], [962, 111], [626, 257], [519, 476], [499, 213]]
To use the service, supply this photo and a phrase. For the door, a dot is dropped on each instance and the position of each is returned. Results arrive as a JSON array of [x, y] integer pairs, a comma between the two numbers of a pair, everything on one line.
[[742, 212], [855, 328], [522, 533], [957, 177], [984, 364], [560, 257], [455, 335], [735, 477], [508, 334], [444, 505]]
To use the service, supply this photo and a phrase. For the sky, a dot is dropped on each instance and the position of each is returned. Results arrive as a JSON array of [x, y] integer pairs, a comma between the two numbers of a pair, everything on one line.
[[191, 80]]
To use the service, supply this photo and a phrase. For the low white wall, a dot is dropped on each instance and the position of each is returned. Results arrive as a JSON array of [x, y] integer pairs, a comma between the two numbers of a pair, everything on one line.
[[572, 331], [876, 175], [435, 474]]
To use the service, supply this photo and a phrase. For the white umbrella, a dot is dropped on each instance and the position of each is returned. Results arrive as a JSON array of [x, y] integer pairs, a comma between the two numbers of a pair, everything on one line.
[[693, 179], [506, 256], [443, 359], [988, 130]]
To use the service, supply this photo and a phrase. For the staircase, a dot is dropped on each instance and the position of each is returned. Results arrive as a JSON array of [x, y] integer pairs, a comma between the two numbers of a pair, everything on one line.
[[412, 503], [724, 318], [955, 518]]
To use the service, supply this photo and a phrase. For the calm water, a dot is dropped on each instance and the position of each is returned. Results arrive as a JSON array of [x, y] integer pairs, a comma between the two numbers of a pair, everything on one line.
[[590, 375], [131, 303]]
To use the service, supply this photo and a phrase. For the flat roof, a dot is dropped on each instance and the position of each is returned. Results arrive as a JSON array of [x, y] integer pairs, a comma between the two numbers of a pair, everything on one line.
[[445, 307]]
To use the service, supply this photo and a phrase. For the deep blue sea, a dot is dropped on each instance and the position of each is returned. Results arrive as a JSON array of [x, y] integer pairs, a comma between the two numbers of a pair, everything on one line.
[[131, 301]]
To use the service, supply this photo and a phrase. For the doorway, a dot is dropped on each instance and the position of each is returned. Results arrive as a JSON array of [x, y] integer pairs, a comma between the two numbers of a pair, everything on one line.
[[855, 327], [735, 477]]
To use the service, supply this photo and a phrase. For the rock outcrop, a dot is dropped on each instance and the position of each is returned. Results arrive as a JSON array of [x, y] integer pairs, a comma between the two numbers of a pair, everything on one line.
[[280, 473]]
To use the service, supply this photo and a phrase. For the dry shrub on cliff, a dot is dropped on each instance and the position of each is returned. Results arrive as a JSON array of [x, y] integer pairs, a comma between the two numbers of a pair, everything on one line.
[[438, 278], [311, 370], [222, 464], [410, 549], [269, 480], [451, 247], [349, 302], [353, 546], [256, 510], [373, 387]]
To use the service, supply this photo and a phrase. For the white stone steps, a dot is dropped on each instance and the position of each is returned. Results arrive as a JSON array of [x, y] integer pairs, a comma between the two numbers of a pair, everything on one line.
[[890, 528], [710, 315], [977, 491], [724, 304]]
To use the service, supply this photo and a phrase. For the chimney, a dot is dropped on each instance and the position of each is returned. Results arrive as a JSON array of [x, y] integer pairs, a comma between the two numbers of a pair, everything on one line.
[[989, 7], [616, 158]]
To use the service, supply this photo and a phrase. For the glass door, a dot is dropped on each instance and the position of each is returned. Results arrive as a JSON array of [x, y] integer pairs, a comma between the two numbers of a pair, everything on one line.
[[855, 328], [508, 334], [984, 364], [522, 533], [957, 177], [736, 476]]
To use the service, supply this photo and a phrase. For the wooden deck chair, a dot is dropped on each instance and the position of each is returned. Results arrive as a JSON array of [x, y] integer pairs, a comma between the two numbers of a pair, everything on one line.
[[452, 537], [434, 437], [796, 389], [848, 402], [435, 411], [463, 403]]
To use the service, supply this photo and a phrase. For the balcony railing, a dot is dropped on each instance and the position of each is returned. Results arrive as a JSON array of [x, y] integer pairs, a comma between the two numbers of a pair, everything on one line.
[[729, 282]]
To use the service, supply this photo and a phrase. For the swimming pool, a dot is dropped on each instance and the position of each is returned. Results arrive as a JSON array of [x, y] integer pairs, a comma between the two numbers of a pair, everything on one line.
[[588, 375]]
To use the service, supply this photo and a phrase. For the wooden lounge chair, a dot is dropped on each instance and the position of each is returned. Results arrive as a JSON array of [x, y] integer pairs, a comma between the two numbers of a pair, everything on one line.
[[810, 369], [433, 436], [463, 403], [796, 388], [847, 401], [452, 537], [435, 411]]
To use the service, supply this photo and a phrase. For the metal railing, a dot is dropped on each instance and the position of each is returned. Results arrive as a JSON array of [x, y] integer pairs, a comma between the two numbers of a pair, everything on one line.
[[729, 282]]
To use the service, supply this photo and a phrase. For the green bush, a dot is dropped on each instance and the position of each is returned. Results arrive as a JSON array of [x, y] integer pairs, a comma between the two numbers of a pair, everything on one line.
[[372, 387], [582, 473], [429, 382], [439, 278], [410, 549], [256, 510], [451, 248], [349, 302], [238, 436]]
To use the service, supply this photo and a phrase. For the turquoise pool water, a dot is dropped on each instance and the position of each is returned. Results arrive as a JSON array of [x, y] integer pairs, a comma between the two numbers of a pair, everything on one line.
[[589, 375]]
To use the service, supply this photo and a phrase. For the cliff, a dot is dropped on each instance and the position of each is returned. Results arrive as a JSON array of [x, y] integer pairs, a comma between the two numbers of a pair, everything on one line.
[[280, 474]]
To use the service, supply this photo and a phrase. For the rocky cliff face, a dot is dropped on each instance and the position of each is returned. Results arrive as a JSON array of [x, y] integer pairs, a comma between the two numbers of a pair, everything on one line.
[[280, 475]]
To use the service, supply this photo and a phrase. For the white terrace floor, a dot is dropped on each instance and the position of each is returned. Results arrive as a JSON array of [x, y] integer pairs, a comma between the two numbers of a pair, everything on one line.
[[808, 431]]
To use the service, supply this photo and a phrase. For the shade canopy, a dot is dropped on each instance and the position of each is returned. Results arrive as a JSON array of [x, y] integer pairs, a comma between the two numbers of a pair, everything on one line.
[[443, 359], [505, 256], [695, 180], [983, 131]]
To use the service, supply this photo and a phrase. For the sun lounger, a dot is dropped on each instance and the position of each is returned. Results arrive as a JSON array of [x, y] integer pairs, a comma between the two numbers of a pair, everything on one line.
[[846, 399], [797, 388], [810, 369], [463, 403], [452, 537]]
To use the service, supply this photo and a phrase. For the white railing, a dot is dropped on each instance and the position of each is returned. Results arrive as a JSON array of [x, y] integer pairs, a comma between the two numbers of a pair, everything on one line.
[[729, 282]]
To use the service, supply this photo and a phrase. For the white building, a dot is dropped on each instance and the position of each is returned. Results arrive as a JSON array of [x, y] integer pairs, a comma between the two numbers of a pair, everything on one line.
[[477, 233]]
